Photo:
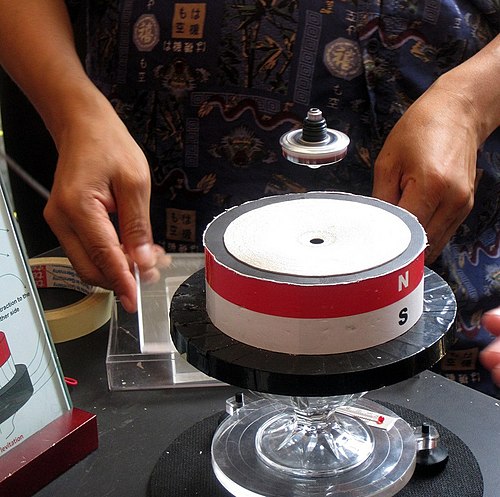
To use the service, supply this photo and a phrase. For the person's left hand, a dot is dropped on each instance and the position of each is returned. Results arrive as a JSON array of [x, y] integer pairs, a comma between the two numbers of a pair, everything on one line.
[[428, 164], [490, 356]]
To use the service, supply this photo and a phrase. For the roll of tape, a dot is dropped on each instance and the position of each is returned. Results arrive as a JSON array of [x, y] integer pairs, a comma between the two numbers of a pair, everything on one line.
[[77, 319]]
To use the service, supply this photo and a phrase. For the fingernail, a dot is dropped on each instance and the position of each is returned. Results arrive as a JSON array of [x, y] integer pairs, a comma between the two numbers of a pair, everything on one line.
[[128, 304], [143, 254], [492, 312]]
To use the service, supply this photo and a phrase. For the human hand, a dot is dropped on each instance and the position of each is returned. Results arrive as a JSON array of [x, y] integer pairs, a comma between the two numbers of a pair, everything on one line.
[[428, 164], [490, 356], [101, 170]]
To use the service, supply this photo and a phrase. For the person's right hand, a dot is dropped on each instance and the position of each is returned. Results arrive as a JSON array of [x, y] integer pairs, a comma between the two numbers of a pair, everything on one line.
[[101, 170]]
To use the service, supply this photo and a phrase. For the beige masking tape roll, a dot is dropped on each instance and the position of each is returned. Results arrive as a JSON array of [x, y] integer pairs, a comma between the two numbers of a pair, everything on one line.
[[77, 319]]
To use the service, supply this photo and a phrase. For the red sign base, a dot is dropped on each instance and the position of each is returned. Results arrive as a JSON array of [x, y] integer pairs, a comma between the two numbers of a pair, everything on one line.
[[45, 455]]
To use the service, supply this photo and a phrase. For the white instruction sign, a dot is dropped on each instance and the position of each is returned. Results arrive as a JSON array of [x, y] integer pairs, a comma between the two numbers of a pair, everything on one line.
[[32, 389]]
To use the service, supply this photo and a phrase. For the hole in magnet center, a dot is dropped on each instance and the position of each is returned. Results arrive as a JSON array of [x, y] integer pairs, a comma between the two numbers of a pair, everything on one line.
[[316, 241]]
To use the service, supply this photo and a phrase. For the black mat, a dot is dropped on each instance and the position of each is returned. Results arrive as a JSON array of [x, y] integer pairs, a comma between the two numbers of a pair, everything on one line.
[[184, 469]]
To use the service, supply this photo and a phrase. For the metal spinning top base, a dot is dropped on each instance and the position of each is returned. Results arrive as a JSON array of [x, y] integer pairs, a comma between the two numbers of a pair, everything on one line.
[[241, 469]]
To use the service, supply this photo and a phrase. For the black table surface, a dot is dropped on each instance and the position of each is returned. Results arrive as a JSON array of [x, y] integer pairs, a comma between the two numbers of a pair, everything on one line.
[[135, 427]]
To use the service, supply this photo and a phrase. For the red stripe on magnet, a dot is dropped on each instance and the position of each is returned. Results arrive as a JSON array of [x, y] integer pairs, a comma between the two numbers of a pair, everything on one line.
[[313, 301]]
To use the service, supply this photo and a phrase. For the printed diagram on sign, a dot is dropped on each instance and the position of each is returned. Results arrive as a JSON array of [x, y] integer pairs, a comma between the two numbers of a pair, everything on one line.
[[15, 383]]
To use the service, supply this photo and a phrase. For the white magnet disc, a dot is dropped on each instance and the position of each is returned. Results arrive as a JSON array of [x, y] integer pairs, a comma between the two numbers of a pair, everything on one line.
[[317, 237]]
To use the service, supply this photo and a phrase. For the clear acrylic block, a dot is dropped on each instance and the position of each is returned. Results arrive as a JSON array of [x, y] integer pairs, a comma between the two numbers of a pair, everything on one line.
[[140, 352]]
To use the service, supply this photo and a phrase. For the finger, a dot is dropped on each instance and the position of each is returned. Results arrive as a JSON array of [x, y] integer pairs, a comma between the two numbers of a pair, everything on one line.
[[490, 358], [439, 214], [495, 375], [132, 200], [104, 266], [440, 228], [414, 201], [442, 219], [491, 321], [96, 254], [439, 232], [163, 260], [151, 276], [385, 182], [419, 202]]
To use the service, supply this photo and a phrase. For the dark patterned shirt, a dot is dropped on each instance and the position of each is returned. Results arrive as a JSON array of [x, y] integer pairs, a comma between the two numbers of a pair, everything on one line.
[[208, 88]]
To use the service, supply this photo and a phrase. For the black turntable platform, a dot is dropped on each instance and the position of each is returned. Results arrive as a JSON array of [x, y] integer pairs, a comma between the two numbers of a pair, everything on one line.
[[233, 362]]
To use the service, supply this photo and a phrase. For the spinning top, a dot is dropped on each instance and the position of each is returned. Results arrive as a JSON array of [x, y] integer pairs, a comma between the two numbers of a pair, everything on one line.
[[314, 145]]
